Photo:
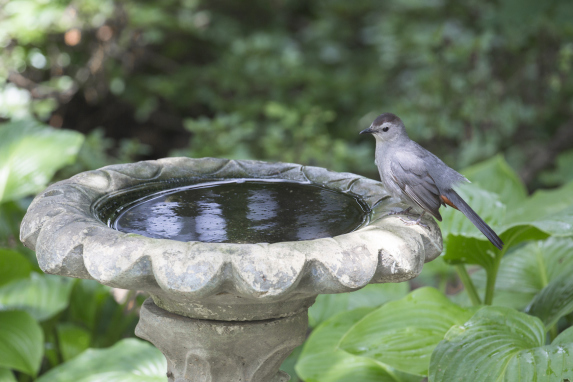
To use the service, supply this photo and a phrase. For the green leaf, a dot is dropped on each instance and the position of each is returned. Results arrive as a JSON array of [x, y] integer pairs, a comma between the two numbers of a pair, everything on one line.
[[486, 204], [21, 342], [436, 273], [11, 215], [86, 300], [524, 272], [326, 337], [289, 363], [495, 175], [6, 375], [500, 344], [129, 360], [546, 213], [546, 206], [322, 361], [42, 296], [13, 266], [403, 333], [564, 338], [30, 154], [372, 295], [72, 340], [554, 301]]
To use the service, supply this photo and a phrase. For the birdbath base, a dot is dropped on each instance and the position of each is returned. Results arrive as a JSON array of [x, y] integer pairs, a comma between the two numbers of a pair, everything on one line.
[[217, 351]]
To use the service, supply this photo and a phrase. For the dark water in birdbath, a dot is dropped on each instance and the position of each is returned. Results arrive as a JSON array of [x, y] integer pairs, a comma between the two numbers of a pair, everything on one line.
[[240, 211]]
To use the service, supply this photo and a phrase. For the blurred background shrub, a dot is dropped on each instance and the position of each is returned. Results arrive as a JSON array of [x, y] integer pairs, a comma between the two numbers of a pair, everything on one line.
[[294, 80]]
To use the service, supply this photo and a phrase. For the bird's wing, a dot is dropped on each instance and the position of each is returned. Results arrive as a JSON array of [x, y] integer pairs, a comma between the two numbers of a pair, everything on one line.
[[411, 175]]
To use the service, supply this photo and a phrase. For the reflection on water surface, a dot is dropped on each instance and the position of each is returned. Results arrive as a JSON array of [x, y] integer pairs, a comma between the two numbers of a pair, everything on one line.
[[242, 211]]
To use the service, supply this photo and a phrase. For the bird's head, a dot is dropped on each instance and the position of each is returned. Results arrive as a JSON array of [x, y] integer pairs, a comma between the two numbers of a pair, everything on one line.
[[386, 127]]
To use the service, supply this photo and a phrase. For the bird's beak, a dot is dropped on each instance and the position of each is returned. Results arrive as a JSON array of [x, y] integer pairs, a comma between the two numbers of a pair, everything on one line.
[[367, 131]]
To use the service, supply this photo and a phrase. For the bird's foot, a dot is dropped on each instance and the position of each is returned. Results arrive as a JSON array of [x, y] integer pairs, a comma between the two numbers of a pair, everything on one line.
[[415, 222], [403, 212]]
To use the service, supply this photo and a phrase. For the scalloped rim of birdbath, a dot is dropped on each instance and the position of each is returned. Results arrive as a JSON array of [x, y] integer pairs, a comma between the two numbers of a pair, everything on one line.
[[223, 281]]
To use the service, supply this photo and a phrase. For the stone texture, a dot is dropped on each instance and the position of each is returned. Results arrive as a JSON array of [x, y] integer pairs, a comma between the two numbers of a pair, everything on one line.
[[219, 351], [217, 280]]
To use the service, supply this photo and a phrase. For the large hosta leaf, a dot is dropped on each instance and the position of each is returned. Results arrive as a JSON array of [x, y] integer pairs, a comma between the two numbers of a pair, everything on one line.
[[501, 344], [129, 360], [546, 213], [524, 272], [13, 266], [373, 295], [495, 175], [403, 333], [30, 154], [485, 203], [42, 296], [463, 242], [21, 342], [511, 214], [547, 207], [322, 361]]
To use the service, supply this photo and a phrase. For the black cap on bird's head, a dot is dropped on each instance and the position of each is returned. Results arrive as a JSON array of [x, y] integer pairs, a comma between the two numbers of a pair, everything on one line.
[[386, 126]]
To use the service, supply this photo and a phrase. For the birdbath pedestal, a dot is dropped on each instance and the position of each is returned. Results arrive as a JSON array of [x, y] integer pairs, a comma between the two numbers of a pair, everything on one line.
[[222, 311]]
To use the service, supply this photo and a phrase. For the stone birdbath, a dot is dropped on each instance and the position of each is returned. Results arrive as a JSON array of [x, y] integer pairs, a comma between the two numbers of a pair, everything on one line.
[[232, 253]]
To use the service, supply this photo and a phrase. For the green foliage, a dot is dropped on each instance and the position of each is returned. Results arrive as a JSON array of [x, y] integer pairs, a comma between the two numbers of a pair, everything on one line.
[[495, 175], [427, 334], [404, 333], [554, 301], [6, 375], [502, 344], [30, 154], [525, 272], [42, 296], [563, 171], [322, 360], [73, 339], [289, 135], [374, 334], [372, 295], [225, 135], [13, 266], [546, 213], [470, 79], [98, 151], [129, 360], [21, 342], [74, 314], [295, 81], [11, 214]]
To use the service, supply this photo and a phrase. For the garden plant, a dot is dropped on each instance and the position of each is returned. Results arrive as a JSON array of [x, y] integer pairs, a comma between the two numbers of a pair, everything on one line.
[[485, 85]]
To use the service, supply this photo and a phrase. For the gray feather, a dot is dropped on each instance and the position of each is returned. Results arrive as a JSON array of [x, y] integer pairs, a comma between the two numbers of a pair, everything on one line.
[[413, 178]]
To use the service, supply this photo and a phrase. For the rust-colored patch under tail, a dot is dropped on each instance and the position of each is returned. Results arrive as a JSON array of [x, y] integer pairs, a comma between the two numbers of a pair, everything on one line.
[[448, 202]]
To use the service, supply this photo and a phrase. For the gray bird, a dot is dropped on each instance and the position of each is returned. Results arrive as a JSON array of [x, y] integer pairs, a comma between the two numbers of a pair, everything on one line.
[[418, 177]]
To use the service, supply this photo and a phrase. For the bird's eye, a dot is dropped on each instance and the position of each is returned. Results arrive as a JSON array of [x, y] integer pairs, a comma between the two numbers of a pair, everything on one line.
[[384, 129]]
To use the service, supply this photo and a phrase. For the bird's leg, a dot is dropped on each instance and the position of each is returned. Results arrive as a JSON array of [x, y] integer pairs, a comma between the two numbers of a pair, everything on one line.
[[416, 222], [404, 212]]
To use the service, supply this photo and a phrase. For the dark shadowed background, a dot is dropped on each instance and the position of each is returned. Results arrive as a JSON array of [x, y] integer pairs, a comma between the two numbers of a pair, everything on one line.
[[296, 80]]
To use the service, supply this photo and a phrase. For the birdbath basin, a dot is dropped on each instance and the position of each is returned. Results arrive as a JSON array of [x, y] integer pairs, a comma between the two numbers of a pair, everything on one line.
[[232, 253]]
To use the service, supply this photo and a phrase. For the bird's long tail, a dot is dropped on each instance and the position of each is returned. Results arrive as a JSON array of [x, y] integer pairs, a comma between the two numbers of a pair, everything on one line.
[[461, 205]]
